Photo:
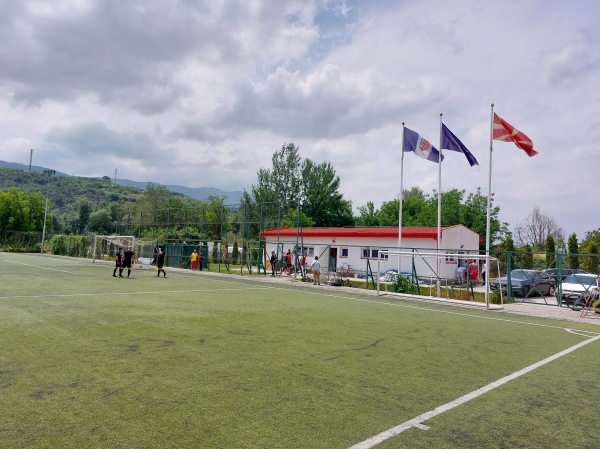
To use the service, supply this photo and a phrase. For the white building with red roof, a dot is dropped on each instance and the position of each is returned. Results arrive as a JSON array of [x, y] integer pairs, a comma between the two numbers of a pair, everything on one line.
[[362, 247]]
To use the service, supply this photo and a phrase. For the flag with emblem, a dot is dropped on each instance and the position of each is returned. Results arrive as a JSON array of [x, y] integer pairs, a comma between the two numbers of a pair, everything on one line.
[[421, 147]]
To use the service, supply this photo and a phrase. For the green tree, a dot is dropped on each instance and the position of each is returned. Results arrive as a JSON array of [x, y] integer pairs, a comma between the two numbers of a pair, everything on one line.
[[550, 249], [509, 244], [235, 253], [527, 257], [367, 216], [22, 211], [281, 183], [573, 248], [292, 179], [592, 259], [215, 217], [215, 253], [322, 200], [291, 219], [590, 237], [83, 217], [102, 222]]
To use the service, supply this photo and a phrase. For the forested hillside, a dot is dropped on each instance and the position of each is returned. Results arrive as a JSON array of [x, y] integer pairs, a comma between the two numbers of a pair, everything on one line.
[[64, 191]]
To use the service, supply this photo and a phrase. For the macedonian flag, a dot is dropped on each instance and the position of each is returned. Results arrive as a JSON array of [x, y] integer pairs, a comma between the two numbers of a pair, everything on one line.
[[505, 131]]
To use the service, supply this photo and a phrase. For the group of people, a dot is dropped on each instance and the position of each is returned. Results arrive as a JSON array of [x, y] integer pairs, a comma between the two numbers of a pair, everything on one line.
[[125, 259], [197, 260], [471, 269], [315, 266]]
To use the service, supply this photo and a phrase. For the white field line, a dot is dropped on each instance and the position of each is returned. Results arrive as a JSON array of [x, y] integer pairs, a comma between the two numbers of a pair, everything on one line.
[[418, 421], [41, 268], [451, 312], [319, 293], [153, 292]]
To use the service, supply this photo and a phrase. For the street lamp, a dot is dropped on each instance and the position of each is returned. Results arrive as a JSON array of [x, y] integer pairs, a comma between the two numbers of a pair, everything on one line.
[[49, 173]]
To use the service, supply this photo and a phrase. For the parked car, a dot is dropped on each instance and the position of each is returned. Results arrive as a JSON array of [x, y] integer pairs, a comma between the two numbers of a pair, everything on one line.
[[578, 285], [526, 283], [564, 272]]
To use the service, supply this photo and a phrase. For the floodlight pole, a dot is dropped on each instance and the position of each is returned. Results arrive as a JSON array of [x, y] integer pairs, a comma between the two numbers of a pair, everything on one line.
[[49, 173]]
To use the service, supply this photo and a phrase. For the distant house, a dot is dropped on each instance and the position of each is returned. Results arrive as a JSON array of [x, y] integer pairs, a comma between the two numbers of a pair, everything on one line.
[[361, 247]]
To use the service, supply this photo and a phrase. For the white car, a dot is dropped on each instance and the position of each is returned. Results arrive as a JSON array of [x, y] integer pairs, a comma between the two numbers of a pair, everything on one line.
[[577, 285]]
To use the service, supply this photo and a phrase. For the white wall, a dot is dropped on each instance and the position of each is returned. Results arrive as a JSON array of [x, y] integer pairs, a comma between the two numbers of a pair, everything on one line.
[[452, 239]]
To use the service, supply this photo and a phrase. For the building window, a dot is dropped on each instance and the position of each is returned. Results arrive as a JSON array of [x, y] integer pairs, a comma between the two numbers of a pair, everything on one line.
[[343, 252], [368, 253], [309, 250], [450, 258]]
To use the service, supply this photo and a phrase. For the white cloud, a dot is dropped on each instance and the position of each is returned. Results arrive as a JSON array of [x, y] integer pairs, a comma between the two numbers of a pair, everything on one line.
[[202, 94]]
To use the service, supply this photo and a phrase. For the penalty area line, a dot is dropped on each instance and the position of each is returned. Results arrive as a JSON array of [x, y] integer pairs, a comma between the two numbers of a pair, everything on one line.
[[418, 421], [155, 292], [43, 268]]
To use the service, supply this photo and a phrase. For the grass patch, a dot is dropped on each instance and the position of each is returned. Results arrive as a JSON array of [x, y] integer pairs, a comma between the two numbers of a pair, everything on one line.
[[88, 360]]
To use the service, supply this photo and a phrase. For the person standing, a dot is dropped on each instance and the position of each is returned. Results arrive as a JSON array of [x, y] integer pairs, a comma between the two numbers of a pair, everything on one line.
[[460, 274], [128, 258], [273, 261], [118, 262], [473, 272], [288, 262], [194, 258], [200, 259], [160, 263], [303, 264], [483, 271], [316, 271]]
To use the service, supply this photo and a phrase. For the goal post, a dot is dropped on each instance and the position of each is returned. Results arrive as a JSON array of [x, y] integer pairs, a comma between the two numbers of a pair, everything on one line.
[[431, 261], [106, 247]]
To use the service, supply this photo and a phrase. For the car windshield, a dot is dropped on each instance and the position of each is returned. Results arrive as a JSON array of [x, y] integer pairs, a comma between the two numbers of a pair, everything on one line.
[[520, 274], [581, 279]]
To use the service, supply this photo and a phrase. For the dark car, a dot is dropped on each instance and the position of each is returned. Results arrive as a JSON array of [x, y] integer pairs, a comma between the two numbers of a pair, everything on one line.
[[564, 272], [526, 283]]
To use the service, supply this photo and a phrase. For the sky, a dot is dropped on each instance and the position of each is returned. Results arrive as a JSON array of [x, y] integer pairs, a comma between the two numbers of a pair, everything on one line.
[[203, 93]]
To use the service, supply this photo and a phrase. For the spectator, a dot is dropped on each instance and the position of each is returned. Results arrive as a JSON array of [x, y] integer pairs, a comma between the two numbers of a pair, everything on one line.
[[316, 271]]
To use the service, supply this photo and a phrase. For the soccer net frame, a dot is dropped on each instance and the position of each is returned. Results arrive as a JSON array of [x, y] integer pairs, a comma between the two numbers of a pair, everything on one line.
[[443, 256], [106, 246]]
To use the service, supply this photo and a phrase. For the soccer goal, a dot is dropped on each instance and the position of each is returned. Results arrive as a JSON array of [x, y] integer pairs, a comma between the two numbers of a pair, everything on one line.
[[433, 268], [106, 247]]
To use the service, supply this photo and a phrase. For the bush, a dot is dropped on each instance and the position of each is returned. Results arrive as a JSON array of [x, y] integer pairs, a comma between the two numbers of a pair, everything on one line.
[[403, 284]]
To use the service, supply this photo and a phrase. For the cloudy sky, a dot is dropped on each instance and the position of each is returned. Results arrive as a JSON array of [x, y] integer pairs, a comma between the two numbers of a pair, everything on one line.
[[202, 93]]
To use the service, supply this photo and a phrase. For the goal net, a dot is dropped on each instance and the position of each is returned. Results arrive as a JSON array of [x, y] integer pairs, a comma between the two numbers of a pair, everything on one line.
[[106, 247], [432, 269]]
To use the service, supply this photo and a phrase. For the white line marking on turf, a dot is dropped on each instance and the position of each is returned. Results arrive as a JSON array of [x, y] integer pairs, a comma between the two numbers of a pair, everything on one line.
[[154, 292], [43, 268], [449, 312], [418, 421]]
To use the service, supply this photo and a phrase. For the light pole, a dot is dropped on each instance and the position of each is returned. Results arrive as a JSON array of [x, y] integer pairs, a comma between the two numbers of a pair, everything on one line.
[[49, 173]]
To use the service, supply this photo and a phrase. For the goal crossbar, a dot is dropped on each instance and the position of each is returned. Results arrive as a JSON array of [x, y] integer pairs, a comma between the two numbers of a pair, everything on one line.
[[437, 255], [122, 240]]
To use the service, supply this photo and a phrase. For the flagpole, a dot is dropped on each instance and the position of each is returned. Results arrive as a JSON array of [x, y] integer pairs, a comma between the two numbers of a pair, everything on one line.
[[400, 200], [487, 221], [439, 217]]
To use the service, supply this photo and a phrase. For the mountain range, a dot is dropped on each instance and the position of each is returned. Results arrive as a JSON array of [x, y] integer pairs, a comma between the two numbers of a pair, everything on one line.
[[197, 193]]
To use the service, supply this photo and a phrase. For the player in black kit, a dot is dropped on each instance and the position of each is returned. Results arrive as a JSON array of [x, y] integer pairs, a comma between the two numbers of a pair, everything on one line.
[[128, 260], [160, 263]]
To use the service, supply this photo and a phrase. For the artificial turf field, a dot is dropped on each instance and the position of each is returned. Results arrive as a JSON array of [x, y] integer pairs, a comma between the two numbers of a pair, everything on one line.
[[201, 361]]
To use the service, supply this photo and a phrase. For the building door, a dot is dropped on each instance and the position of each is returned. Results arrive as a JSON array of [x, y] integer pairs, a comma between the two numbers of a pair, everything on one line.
[[332, 259]]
